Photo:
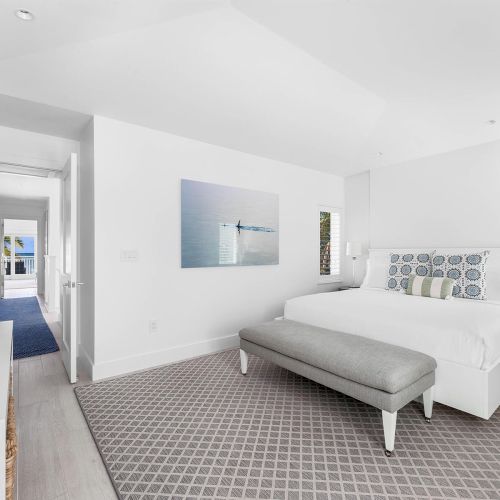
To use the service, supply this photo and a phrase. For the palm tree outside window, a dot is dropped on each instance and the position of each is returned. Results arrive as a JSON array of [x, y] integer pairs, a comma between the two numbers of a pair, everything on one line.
[[329, 244], [6, 245]]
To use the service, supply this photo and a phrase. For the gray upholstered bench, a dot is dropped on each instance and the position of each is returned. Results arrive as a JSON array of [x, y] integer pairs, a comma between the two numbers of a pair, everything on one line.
[[382, 375]]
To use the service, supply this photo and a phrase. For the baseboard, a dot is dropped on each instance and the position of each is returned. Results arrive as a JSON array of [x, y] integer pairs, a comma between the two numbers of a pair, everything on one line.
[[157, 358], [84, 363]]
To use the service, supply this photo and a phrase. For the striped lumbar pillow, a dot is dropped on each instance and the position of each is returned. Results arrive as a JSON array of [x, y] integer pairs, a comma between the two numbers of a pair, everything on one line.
[[437, 288]]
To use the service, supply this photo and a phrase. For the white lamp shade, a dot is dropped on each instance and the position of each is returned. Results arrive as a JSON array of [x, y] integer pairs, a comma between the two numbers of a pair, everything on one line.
[[354, 249]]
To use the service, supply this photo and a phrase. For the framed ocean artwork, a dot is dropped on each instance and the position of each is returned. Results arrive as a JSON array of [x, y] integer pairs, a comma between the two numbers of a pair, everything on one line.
[[225, 226]]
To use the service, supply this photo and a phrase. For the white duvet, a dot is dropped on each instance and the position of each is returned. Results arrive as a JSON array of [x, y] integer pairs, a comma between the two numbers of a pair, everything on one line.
[[459, 330]]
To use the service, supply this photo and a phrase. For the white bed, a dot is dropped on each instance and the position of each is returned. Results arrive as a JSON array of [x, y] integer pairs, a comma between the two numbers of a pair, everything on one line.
[[462, 334]]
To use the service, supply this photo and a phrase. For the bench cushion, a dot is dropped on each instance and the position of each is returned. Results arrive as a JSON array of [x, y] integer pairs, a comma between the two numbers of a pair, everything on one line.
[[375, 397], [368, 362]]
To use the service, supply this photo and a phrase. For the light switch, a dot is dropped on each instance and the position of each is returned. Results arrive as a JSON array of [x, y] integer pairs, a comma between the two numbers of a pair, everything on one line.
[[129, 255], [153, 326]]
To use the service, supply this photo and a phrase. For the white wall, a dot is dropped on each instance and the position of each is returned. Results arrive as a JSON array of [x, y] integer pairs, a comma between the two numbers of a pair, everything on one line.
[[20, 227], [447, 200], [14, 188], [357, 221], [30, 148], [137, 174]]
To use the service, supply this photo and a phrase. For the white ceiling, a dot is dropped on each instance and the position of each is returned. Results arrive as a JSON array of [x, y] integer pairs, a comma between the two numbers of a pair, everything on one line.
[[41, 118], [326, 84], [59, 22]]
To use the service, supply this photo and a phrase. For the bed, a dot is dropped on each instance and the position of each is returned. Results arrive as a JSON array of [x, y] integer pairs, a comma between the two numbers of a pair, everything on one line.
[[463, 335]]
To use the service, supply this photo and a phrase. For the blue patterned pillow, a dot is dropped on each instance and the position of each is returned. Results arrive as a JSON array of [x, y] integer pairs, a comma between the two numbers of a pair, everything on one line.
[[402, 265], [468, 271]]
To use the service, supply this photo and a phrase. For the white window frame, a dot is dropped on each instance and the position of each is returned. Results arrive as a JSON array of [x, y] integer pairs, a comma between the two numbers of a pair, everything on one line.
[[13, 275], [332, 278]]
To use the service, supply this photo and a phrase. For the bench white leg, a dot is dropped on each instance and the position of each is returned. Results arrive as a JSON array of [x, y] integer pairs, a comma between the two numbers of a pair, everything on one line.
[[389, 421], [428, 397], [244, 361]]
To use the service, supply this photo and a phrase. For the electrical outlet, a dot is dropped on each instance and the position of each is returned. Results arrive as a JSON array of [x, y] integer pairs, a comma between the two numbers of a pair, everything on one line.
[[153, 326]]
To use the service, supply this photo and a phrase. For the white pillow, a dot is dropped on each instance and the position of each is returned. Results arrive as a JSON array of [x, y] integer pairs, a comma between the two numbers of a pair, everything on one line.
[[378, 262], [376, 269]]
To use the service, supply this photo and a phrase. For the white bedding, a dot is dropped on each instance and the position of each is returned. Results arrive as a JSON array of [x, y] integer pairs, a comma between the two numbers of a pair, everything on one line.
[[460, 330]]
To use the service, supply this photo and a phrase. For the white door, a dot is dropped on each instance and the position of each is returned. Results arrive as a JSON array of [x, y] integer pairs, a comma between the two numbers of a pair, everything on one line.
[[69, 267], [2, 261]]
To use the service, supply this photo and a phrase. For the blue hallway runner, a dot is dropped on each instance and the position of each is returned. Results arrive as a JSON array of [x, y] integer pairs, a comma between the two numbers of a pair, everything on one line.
[[32, 336]]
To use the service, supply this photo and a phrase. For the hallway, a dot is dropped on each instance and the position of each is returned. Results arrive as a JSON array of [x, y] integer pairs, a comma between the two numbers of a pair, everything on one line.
[[32, 335], [15, 289]]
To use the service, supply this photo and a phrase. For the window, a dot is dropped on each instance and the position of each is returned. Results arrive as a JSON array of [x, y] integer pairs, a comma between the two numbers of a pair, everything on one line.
[[329, 243], [19, 255]]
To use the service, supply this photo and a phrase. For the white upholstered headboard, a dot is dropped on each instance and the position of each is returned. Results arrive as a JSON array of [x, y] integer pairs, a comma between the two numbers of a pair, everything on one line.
[[378, 265]]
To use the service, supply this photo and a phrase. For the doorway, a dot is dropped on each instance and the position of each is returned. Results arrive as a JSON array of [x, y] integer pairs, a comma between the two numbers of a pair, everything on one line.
[[20, 252], [23, 245], [45, 257]]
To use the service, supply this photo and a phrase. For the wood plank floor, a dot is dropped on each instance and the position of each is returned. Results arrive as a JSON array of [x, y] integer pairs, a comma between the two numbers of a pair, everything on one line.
[[57, 456]]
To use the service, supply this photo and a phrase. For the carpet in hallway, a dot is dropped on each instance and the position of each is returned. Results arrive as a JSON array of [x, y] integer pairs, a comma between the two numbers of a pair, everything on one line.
[[32, 336]]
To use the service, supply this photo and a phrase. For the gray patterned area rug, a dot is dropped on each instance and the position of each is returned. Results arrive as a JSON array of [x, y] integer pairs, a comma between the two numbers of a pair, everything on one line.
[[199, 429]]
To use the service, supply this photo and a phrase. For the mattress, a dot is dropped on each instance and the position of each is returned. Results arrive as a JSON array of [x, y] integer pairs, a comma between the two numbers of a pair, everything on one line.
[[462, 331]]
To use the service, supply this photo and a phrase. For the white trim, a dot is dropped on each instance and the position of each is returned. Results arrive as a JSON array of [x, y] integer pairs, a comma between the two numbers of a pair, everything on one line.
[[152, 359], [38, 167]]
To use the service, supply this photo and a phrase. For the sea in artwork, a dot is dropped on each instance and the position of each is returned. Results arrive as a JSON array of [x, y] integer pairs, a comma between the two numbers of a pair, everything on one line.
[[227, 226]]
